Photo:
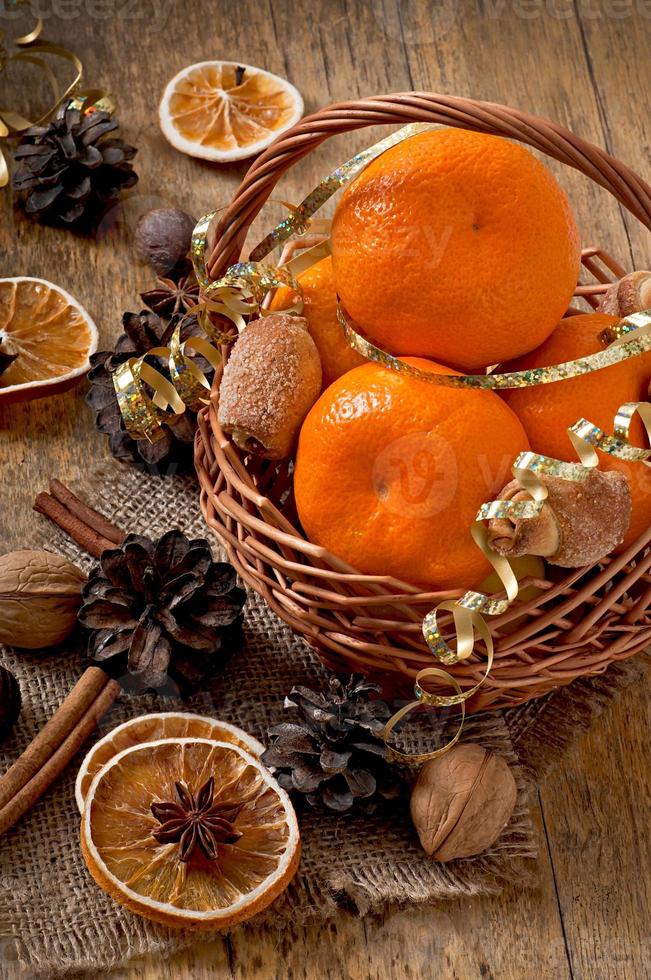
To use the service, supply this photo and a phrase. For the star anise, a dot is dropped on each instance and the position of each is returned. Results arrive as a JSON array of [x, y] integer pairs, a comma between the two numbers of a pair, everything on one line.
[[169, 297], [197, 821]]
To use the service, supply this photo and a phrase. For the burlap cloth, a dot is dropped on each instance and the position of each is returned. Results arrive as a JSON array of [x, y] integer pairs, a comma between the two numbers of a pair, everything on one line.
[[54, 919]]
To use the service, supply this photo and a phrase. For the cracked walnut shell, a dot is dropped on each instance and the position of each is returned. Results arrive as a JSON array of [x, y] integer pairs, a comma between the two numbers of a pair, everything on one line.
[[462, 801]]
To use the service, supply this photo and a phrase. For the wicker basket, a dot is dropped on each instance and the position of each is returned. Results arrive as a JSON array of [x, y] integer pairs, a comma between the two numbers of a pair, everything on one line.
[[580, 622]]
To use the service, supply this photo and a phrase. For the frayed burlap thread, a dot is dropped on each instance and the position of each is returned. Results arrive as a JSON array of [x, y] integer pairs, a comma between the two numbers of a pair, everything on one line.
[[54, 919]]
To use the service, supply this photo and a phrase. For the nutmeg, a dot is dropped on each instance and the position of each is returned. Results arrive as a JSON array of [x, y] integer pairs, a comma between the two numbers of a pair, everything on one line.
[[631, 294], [40, 594], [163, 237], [10, 701], [462, 801]]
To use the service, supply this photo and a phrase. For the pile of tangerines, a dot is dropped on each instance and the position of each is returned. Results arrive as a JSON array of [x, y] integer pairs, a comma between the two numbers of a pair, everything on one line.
[[457, 251]]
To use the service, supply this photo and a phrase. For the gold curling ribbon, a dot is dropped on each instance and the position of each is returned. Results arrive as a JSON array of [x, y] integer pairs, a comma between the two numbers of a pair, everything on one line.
[[242, 290], [144, 414], [632, 337]]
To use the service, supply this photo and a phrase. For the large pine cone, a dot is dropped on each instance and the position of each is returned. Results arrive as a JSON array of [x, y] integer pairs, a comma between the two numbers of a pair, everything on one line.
[[162, 614], [69, 170], [332, 754]]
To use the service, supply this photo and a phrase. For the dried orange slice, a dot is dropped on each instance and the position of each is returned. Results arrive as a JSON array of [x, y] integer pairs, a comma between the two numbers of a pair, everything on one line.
[[221, 111], [51, 334], [253, 862], [151, 728]]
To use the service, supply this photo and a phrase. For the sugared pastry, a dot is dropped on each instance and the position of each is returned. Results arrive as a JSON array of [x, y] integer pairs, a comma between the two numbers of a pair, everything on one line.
[[630, 295], [270, 382], [579, 524]]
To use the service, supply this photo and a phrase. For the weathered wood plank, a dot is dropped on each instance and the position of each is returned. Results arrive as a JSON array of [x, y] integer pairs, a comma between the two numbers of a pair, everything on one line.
[[584, 72], [597, 808]]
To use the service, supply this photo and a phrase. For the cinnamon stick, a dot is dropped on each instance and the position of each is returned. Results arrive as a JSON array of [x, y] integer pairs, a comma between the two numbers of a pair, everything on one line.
[[32, 791], [87, 537], [92, 518], [85, 692]]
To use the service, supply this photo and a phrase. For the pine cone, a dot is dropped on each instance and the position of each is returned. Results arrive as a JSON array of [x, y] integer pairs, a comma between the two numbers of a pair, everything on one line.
[[143, 331], [69, 170], [162, 614], [333, 755]]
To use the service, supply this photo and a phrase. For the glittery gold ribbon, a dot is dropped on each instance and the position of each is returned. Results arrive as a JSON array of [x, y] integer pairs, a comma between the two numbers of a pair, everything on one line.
[[632, 335], [241, 292], [145, 414], [30, 50]]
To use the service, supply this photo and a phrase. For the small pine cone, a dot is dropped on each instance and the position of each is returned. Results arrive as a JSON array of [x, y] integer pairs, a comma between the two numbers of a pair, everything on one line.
[[172, 453], [332, 755], [69, 170]]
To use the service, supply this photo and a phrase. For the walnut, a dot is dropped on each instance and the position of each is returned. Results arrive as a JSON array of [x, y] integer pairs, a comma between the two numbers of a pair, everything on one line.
[[40, 594], [462, 801]]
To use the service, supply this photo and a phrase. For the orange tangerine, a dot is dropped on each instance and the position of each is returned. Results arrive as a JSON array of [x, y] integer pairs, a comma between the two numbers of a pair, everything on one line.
[[457, 246], [390, 473], [320, 311]]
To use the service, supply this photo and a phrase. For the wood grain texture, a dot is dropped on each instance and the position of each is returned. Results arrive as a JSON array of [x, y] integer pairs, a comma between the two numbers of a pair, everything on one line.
[[583, 64]]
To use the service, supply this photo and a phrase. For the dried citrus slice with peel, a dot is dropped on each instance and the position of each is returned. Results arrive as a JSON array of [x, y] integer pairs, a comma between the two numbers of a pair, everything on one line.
[[51, 334], [152, 728], [221, 111], [148, 876]]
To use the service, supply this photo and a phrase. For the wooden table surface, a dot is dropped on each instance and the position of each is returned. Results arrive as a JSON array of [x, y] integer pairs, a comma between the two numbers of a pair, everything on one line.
[[583, 63]]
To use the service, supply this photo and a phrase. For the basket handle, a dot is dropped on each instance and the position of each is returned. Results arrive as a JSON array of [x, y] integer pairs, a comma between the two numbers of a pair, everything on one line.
[[408, 107]]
